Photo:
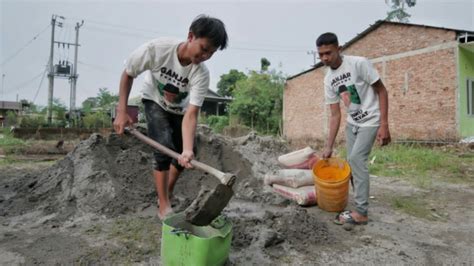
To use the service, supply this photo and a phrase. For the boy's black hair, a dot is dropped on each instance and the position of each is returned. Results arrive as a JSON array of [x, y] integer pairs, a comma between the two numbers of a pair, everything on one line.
[[327, 38], [204, 26]]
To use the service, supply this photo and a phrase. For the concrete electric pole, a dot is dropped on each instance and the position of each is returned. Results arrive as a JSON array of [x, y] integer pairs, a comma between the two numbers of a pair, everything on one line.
[[51, 71], [62, 69], [314, 54], [3, 83], [73, 77]]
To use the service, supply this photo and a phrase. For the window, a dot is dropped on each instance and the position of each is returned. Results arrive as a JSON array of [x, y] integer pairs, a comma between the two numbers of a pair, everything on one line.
[[470, 96]]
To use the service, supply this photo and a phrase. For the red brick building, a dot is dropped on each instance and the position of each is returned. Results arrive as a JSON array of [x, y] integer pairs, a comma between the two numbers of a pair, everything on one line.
[[429, 74]]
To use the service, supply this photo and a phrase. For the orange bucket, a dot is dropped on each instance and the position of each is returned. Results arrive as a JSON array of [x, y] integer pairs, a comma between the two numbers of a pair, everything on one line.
[[331, 181]]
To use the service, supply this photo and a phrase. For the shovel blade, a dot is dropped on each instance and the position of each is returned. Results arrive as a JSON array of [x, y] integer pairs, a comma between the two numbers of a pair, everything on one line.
[[208, 205]]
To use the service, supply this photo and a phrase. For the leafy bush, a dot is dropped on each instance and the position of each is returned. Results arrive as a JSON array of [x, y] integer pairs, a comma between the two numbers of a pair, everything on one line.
[[11, 119], [217, 123], [97, 120], [258, 101], [32, 121]]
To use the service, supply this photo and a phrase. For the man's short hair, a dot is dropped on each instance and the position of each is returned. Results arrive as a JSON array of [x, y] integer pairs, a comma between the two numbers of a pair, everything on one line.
[[327, 38], [211, 28]]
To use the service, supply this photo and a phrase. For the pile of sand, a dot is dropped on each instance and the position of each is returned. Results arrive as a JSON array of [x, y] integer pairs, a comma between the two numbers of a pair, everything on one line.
[[113, 176]]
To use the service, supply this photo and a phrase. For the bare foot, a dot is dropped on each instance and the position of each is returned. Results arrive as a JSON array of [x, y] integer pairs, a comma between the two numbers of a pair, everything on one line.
[[164, 210]]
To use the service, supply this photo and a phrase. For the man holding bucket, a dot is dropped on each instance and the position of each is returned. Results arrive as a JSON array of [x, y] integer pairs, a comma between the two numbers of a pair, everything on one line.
[[355, 81]]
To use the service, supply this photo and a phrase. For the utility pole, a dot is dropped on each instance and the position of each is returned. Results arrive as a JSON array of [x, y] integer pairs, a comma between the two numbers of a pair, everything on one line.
[[314, 56], [74, 76], [51, 71], [3, 83]]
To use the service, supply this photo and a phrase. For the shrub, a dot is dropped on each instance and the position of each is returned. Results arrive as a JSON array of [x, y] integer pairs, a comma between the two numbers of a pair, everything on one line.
[[217, 123], [97, 120], [32, 121]]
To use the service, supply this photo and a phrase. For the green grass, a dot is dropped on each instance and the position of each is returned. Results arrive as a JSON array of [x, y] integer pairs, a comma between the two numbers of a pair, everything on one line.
[[7, 160], [9, 144], [420, 165], [416, 206], [135, 229], [133, 238]]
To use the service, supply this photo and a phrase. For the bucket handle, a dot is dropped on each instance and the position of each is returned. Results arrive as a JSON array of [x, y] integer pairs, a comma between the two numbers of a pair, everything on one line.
[[219, 222], [178, 232]]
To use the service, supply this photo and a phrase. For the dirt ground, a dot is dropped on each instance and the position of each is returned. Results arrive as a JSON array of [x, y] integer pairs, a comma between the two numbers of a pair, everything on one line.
[[97, 205]]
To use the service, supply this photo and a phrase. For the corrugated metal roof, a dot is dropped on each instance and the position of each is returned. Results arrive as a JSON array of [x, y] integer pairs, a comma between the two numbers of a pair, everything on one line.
[[373, 27], [5, 105], [214, 96]]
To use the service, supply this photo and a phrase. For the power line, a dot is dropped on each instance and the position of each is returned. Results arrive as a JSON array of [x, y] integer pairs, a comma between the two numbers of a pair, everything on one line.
[[230, 48], [41, 82], [267, 50], [90, 21], [21, 49], [104, 69], [17, 88], [116, 32], [124, 27]]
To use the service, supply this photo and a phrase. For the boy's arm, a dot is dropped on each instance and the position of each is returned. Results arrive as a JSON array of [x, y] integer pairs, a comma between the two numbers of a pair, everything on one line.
[[188, 130], [334, 122], [122, 118], [383, 134]]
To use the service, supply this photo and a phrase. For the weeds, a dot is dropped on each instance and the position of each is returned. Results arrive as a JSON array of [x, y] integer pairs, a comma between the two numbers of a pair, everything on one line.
[[8, 141], [420, 165], [416, 206]]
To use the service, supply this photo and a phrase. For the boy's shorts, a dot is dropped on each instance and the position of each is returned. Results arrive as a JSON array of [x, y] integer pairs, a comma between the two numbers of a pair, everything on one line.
[[164, 128]]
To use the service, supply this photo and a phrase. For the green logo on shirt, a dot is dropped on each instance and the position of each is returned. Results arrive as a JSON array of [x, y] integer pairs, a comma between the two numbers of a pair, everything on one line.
[[171, 93], [354, 95]]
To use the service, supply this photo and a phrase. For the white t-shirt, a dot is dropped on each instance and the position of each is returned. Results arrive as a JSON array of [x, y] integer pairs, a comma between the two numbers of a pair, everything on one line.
[[351, 82], [167, 82]]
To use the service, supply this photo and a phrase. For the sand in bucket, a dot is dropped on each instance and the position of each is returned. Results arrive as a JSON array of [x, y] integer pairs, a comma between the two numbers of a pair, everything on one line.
[[331, 180]]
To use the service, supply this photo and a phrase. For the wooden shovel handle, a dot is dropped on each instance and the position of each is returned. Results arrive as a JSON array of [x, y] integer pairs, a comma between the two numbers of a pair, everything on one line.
[[224, 178]]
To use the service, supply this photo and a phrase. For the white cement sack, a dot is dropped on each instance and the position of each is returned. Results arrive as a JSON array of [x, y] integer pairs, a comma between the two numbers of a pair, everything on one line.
[[300, 159], [304, 196], [294, 178]]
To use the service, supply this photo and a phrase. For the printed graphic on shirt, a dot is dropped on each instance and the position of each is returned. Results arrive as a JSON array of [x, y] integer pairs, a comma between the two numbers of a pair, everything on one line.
[[352, 101], [341, 79], [173, 77], [168, 85], [171, 93]]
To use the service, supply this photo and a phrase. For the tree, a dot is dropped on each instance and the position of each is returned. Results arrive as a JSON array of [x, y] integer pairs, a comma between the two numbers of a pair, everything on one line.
[[88, 104], [59, 110], [227, 82], [264, 64], [105, 99], [258, 101], [97, 120], [397, 11]]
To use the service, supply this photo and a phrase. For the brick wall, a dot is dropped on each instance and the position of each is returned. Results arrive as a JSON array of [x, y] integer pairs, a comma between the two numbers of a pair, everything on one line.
[[422, 88], [390, 39]]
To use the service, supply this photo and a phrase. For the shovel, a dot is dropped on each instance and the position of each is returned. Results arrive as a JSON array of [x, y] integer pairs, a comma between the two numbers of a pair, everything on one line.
[[209, 203]]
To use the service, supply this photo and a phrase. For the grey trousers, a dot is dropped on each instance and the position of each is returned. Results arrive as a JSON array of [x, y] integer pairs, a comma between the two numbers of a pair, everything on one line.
[[359, 142]]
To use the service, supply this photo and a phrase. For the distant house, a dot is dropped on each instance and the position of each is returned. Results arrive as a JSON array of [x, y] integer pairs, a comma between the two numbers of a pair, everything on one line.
[[5, 107], [429, 74], [214, 104]]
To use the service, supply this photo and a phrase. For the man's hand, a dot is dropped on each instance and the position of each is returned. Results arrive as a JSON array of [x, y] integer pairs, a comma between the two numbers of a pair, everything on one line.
[[185, 158], [327, 153], [383, 135], [121, 121]]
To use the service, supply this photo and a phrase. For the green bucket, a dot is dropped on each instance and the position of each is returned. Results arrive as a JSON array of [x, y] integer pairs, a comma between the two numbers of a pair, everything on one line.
[[185, 244]]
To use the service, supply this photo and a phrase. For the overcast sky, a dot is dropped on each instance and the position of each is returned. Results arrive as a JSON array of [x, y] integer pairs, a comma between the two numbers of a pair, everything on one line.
[[281, 31]]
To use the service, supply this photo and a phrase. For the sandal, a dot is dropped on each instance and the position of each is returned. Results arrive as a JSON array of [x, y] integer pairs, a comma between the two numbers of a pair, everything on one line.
[[347, 218]]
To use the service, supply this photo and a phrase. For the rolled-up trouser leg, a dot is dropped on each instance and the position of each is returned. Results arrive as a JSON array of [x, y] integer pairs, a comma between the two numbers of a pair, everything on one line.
[[165, 128], [359, 142]]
